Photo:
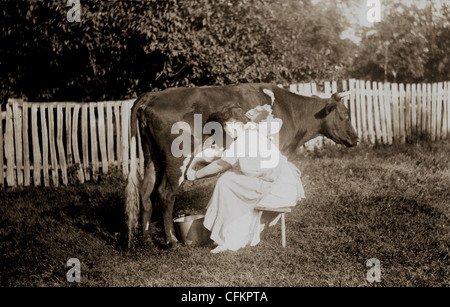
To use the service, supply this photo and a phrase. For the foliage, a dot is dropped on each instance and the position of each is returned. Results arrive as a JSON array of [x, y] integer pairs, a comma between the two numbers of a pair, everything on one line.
[[122, 48], [410, 44]]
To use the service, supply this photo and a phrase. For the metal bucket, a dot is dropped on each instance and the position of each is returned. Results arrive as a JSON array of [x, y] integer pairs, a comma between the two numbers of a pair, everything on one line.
[[190, 230]]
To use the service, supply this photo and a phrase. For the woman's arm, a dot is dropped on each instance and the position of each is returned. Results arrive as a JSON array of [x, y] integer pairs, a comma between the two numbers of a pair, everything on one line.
[[213, 168]]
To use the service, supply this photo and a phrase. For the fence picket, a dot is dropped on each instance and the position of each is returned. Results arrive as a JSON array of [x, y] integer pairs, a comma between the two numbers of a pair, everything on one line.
[[346, 99], [352, 102], [326, 88], [428, 110], [2, 176], [125, 147], [439, 112], [51, 138], [387, 108], [102, 136], [358, 110], [94, 145], [363, 111], [448, 107], [423, 107], [376, 110], [69, 154], [445, 107], [17, 117], [84, 141], [413, 108], [60, 144], [401, 113], [36, 148], [370, 113], [76, 152], [408, 112], [9, 147], [395, 112], [118, 134], [44, 134], [382, 112], [110, 132], [26, 146]]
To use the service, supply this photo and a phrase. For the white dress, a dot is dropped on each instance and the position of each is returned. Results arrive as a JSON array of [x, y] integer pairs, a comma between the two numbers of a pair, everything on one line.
[[261, 175]]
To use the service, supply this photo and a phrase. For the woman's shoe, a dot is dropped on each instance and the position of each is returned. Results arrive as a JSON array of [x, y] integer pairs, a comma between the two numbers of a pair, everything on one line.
[[219, 249]]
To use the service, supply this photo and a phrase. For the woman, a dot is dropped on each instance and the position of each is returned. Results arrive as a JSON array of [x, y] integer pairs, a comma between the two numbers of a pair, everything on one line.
[[255, 173]]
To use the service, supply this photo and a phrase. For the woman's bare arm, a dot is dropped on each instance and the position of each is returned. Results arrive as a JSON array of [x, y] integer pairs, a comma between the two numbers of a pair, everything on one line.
[[213, 168]]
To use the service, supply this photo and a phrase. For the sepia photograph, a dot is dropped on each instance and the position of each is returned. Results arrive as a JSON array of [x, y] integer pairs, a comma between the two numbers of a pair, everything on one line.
[[225, 151]]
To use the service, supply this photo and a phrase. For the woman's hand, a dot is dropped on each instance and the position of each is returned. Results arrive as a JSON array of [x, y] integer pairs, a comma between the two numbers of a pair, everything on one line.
[[190, 174]]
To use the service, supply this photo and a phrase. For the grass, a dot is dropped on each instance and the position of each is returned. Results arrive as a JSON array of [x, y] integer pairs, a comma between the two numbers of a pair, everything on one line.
[[390, 203]]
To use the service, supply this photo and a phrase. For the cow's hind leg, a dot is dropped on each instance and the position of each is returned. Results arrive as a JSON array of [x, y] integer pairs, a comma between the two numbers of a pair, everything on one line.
[[145, 192], [168, 221], [167, 197]]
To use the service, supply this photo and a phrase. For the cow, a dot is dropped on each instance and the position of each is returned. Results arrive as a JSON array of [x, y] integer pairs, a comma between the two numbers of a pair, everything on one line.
[[155, 113]]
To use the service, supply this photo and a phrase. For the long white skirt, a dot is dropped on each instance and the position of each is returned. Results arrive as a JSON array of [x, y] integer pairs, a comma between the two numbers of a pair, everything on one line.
[[230, 214]]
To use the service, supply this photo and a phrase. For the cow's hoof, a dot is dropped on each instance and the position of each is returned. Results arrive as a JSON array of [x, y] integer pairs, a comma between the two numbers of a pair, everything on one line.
[[147, 242], [174, 244]]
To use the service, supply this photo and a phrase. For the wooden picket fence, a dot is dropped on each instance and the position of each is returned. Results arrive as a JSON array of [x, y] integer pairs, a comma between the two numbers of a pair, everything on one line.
[[391, 113], [54, 143]]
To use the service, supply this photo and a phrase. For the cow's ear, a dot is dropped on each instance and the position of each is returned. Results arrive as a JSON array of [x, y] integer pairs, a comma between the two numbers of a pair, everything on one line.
[[325, 111], [330, 107]]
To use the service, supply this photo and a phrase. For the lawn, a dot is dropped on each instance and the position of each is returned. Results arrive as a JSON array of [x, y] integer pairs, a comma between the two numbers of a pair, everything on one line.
[[390, 203]]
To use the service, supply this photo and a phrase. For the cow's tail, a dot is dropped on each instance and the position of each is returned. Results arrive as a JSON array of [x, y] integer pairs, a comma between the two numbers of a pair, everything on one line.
[[132, 189]]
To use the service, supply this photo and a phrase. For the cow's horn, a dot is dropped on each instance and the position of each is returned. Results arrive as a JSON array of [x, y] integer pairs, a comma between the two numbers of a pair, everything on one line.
[[342, 95]]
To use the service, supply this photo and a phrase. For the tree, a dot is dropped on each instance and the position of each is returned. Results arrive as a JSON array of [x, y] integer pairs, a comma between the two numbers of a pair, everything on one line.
[[122, 48], [408, 45]]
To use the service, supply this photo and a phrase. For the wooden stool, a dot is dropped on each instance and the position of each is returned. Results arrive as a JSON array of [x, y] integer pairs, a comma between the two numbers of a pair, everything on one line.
[[282, 211]]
